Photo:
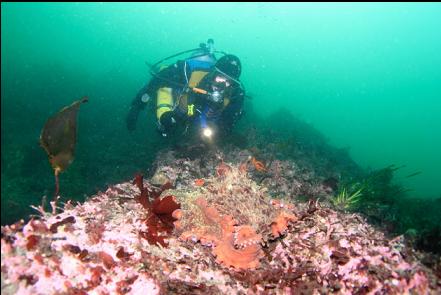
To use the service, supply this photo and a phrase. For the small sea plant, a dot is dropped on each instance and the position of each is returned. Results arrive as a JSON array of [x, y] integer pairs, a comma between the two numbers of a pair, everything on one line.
[[347, 199]]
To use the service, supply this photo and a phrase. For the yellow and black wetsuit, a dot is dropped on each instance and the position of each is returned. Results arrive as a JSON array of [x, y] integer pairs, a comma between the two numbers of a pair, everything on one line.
[[175, 89]]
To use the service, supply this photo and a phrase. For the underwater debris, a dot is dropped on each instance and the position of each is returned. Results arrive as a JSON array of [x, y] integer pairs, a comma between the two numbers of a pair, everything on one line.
[[59, 137]]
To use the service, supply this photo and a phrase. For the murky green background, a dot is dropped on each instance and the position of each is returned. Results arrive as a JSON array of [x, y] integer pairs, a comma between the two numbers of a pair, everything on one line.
[[368, 76]]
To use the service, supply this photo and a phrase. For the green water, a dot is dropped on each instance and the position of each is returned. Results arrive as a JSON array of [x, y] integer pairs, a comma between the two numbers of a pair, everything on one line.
[[368, 76]]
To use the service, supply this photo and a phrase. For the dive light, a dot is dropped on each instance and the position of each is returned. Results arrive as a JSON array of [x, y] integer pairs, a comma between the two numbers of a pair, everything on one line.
[[207, 132]]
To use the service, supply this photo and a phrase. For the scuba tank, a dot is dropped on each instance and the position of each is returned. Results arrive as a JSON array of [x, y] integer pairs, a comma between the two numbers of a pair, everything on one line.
[[204, 51]]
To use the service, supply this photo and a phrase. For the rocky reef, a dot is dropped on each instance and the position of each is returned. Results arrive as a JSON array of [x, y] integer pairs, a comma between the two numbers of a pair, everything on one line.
[[223, 223]]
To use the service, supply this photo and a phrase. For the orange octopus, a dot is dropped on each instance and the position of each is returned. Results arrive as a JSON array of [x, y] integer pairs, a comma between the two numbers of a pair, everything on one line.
[[234, 217], [236, 246], [233, 245]]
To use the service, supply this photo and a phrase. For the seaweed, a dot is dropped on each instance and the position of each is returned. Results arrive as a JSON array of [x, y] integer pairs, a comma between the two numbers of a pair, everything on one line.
[[347, 199], [148, 192], [58, 138], [373, 195], [159, 218]]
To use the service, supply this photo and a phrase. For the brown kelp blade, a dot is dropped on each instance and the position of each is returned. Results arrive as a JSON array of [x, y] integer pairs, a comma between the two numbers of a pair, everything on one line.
[[59, 136]]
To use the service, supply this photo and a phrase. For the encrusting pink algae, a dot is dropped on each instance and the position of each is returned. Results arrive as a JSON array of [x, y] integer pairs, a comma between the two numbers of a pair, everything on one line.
[[224, 234]]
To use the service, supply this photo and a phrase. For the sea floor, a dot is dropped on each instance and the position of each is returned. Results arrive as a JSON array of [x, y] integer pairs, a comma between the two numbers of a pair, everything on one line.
[[225, 223]]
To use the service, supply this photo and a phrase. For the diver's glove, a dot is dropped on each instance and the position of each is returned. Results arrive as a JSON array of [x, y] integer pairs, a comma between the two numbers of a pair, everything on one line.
[[167, 123]]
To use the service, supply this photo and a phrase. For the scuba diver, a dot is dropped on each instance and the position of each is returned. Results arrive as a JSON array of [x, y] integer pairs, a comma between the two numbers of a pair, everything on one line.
[[200, 93]]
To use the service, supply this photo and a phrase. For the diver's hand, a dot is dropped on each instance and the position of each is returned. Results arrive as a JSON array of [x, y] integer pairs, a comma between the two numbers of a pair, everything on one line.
[[138, 103], [168, 122]]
